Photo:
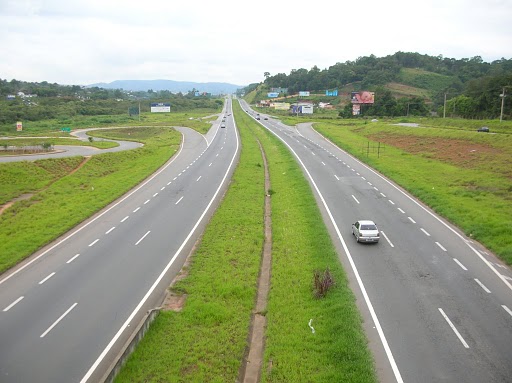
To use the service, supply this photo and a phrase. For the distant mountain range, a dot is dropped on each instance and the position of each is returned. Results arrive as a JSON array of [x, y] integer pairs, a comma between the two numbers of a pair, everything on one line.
[[170, 85]]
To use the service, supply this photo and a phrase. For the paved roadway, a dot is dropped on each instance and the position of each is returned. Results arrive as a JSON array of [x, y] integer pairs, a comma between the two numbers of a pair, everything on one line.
[[437, 306], [65, 313], [72, 150]]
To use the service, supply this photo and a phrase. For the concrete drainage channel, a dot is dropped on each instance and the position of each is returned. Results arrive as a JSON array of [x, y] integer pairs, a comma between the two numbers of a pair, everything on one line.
[[250, 370]]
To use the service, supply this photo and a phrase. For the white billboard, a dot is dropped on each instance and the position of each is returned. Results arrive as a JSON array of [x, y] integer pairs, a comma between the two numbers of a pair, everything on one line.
[[160, 107], [304, 93]]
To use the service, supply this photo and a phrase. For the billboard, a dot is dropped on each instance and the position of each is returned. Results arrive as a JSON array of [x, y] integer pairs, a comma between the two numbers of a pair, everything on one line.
[[19, 126], [281, 105], [160, 107], [304, 93], [362, 97], [356, 109], [333, 92], [272, 94]]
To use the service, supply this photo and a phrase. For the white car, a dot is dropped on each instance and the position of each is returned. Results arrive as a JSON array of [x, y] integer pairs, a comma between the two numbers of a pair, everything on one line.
[[365, 231]]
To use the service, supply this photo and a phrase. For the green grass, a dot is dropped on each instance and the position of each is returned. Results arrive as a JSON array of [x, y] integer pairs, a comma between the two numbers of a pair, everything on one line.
[[474, 194], [337, 351], [196, 119], [63, 201], [205, 342]]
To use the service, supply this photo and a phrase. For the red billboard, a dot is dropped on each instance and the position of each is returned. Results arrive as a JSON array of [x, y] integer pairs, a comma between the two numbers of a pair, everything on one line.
[[362, 97]]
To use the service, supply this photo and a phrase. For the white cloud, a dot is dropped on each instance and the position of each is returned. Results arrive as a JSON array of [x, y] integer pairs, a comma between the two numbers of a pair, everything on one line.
[[86, 41]]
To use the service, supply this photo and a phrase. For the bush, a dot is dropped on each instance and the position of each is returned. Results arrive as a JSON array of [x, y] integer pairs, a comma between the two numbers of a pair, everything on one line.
[[322, 282]]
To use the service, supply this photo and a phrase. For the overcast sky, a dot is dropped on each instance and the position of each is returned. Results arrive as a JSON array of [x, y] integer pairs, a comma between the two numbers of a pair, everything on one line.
[[87, 41]]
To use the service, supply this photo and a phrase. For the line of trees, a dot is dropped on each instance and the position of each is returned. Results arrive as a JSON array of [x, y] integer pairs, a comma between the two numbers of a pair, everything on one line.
[[472, 85], [54, 101]]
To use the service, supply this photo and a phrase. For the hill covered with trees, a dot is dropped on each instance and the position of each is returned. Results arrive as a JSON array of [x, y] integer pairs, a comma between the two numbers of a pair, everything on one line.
[[472, 87]]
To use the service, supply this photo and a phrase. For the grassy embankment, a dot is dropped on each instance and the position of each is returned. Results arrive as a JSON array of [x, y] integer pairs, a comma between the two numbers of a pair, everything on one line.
[[61, 200], [205, 342], [196, 119], [463, 175]]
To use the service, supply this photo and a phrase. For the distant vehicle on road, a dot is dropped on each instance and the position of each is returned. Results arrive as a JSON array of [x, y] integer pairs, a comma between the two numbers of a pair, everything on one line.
[[365, 231], [483, 129], [223, 126]]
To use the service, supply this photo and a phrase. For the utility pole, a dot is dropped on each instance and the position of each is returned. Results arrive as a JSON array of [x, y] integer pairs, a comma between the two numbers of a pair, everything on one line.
[[444, 106], [139, 110], [502, 103]]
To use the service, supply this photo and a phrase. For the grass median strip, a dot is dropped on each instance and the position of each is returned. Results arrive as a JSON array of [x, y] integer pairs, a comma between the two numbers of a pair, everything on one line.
[[337, 349], [206, 341]]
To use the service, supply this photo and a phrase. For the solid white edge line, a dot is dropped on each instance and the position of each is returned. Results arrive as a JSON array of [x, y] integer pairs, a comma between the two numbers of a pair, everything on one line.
[[144, 236], [507, 309], [12, 304], [48, 277], [453, 328], [58, 320], [164, 271], [385, 344], [482, 286], [355, 198], [98, 216], [387, 239], [415, 201]]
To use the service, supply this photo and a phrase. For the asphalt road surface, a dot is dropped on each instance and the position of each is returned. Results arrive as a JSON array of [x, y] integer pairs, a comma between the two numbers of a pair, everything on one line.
[[437, 306], [73, 150], [66, 311]]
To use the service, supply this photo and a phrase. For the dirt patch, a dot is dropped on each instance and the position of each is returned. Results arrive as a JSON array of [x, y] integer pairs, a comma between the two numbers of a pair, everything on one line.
[[462, 153], [10, 203]]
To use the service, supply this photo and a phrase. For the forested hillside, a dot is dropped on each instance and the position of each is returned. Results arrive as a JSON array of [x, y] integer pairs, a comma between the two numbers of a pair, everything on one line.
[[472, 85]]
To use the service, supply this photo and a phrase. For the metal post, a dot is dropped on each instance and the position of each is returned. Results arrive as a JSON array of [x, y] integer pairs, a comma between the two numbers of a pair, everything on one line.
[[502, 104], [139, 111], [444, 106]]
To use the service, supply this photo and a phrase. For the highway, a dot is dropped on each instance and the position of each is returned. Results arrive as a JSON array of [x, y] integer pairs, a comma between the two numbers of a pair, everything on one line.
[[437, 307], [66, 311]]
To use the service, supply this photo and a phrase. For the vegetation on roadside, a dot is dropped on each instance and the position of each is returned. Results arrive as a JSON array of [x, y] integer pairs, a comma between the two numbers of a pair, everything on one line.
[[205, 342], [463, 175], [337, 351], [61, 200]]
